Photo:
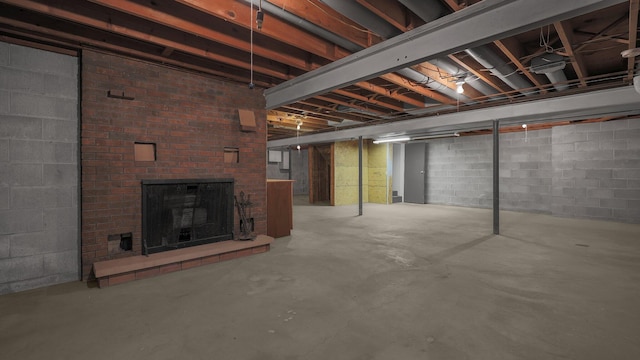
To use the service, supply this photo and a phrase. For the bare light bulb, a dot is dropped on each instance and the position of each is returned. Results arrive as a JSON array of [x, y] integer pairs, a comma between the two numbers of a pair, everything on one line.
[[459, 89], [524, 126], [298, 147], [259, 19]]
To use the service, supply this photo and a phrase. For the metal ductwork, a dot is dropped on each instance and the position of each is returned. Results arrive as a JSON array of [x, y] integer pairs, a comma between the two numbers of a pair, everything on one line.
[[558, 79], [482, 54], [430, 83], [446, 65], [426, 10], [551, 65], [364, 17], [505, 72], [329, 36], [309, 26]]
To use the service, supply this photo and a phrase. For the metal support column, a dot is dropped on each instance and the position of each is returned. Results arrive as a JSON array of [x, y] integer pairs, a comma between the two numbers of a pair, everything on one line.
[[496, 177], [360, 176]]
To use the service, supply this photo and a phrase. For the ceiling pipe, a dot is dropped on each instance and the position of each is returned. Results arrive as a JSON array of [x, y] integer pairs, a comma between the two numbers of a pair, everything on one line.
[[309, 26], [431, 10], [558, 79], [371, 21], [482, 54], [364, 17], [426, 10], [505, 72], [329, 36], [551, 65], [430, 83], [446, 65]]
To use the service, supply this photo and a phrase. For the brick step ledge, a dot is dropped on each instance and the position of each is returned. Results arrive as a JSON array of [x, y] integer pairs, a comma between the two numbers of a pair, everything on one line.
[[118, 271]]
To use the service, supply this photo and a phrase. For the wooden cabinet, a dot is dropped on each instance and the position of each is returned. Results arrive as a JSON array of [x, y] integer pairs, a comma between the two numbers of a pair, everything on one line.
[[279, 207]]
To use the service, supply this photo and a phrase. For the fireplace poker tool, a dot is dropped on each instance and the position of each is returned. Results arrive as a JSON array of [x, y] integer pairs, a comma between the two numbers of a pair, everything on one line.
[[242, 205]]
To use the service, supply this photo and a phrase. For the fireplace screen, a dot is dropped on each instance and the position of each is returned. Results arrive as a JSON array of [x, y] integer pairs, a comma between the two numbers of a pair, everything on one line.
[[181, 213]]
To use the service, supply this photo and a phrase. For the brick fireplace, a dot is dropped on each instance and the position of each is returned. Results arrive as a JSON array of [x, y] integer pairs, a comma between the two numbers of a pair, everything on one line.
[[142, 121]]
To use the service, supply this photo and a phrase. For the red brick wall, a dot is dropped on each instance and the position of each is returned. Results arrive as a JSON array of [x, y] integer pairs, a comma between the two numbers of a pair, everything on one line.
[[191, 118]]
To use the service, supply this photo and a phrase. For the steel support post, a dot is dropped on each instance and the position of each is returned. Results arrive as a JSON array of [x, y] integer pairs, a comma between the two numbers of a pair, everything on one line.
[[496, 177]]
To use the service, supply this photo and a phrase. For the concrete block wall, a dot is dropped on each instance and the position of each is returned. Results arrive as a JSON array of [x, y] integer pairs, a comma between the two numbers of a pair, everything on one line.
[[585, 170], [525, 171], [191, 119], [300, 171], [596, 171], [38, 168], [459, 171], [275, 172]]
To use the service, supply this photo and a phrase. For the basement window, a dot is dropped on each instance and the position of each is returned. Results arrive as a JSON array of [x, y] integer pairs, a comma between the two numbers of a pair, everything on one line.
[[144, 151], [231, 155]]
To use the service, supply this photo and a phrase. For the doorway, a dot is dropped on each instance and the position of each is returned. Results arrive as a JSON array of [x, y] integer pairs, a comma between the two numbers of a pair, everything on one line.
[[320, 173], [414, 173]]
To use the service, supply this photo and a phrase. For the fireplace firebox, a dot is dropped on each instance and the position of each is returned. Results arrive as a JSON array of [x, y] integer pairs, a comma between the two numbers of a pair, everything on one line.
[[186, 212]]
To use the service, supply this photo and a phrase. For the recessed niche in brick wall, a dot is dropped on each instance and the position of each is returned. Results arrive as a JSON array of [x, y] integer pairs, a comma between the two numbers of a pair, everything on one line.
[[144, 151], [231, 155]]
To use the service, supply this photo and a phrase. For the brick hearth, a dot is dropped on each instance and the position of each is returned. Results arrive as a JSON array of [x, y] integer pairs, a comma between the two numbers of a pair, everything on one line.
[[118, 271]]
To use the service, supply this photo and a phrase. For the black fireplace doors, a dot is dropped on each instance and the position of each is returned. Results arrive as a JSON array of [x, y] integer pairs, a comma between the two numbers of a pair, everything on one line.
[[181, 213]]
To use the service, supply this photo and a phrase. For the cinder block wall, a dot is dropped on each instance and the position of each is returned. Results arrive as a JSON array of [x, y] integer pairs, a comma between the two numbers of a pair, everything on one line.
[[596, 170], [275, 172], [584, 170], [190, 118], [38, 168], [459, 171], [300, 171], [526, 171]]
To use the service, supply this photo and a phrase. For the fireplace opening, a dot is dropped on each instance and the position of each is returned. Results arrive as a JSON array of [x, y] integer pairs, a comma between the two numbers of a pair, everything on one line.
[[186, 212]]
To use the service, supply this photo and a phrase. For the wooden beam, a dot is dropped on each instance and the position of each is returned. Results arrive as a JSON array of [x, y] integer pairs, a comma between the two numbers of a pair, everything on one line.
[[187, 26], [393, 12], [280, 31], [566, 36], [332, 109], [444, 78], [371, 111], [238, 12], [401, 81], [453, 4], [480, 75], [513, 50], [324, 16], [62, 47], [386, 92], [369, 100], [113, 27], [81, 42], [602, 33]]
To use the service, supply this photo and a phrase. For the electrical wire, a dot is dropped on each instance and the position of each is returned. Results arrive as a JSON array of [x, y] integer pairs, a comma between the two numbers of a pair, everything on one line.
[[546, 41], [251, 43]]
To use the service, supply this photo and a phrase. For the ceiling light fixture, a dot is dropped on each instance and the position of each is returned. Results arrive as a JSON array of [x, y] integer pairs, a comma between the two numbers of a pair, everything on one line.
[[630, 53], [428, 137], [398, 139], [259, 16], [459, 88], [251, 84]]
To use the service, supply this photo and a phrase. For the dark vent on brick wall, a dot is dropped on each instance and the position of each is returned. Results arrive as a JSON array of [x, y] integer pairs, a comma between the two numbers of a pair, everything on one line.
[[181, 213]]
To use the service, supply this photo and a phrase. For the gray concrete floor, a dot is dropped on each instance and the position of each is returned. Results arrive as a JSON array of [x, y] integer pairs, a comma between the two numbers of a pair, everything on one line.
[[401, 282]]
